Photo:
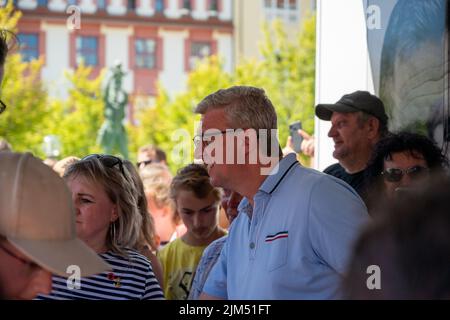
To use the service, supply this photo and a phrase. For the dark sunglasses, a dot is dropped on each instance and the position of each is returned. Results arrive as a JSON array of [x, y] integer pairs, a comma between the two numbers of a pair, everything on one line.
[[2, 106], [107, 160], [395, 174]]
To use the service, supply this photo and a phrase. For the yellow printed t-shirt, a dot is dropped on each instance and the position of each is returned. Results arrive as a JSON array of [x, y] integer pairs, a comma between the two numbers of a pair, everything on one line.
[[179, 261]]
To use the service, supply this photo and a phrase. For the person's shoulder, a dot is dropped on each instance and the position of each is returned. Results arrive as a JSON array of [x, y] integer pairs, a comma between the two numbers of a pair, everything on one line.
[[171, 247], [215, 245], [303, 178], [134, 255], [131, 255], [333, 169]]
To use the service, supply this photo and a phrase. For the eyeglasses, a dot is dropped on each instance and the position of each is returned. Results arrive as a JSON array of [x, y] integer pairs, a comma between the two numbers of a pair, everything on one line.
[[107, 160], [200, 139], [145, 163], [29, 264], [396, 174], [2, 106]]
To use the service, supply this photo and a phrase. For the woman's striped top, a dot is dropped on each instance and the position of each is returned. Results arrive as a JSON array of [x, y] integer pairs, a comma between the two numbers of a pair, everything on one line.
[[132, 278]]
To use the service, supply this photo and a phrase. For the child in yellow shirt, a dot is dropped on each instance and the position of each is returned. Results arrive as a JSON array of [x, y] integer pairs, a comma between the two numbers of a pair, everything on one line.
[[198, 204]]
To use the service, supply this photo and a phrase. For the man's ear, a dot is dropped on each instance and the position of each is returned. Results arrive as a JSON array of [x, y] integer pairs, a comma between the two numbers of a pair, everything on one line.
[[372, 126]]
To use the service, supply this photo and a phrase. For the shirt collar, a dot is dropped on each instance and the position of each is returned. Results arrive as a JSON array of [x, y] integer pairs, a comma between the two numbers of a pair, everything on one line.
[[246, 207], [278, 173], [272, 181]]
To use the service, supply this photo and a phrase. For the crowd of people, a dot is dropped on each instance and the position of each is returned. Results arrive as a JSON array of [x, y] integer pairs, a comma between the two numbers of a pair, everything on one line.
[[102, 227]]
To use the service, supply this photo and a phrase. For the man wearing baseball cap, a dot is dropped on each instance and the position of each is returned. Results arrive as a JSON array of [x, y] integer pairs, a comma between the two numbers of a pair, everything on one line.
[[37, 229], [358, 121]]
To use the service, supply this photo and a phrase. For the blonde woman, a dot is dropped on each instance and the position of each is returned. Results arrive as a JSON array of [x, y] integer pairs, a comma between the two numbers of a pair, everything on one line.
[[108, 220], [198, 204], [147, 243]]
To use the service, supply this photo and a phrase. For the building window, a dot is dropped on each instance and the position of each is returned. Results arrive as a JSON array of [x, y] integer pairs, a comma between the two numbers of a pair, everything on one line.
[[214, 5], [187, 4], [199, 50], [159, 6], [287, 10], [87, 50], [131, 5], [101, 4], [29, 46], [145, 53]]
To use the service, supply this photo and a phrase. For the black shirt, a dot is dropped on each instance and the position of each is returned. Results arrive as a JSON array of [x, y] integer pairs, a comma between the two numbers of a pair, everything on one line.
[[356, 180]]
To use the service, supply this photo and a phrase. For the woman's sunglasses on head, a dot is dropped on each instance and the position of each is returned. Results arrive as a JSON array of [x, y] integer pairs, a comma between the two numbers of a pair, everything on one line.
[[107, 160]]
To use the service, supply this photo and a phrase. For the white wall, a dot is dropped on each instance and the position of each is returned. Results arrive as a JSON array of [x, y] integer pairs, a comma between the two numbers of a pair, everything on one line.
[[145, 8], [25, 4], [225, 49], [116, 49], [342, 63], [227, 9], [200, 11], [57, 59], [172, 76], [172, 10]]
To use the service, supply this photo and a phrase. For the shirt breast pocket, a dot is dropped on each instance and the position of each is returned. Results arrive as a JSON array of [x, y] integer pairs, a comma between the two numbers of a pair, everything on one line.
[[278, 252]]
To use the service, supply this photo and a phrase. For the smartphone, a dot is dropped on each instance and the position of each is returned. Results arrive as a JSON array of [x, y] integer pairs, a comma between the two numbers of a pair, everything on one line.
[[296, 137]]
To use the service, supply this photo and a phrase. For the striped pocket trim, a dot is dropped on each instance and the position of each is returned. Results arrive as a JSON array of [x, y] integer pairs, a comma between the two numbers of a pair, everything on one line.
[[278, 235]]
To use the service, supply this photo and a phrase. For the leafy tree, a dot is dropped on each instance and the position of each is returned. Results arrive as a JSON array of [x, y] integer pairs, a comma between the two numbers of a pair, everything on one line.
[[288, 74], [165, 122], [23, 93], [31, 114], [22, 123], [77, 120]]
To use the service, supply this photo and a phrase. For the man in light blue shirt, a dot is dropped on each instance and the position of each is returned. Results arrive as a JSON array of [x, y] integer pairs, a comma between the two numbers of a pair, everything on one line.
[[296, 226]]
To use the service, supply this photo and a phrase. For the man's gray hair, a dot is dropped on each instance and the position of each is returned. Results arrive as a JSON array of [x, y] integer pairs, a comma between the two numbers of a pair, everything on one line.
[[245, 107]]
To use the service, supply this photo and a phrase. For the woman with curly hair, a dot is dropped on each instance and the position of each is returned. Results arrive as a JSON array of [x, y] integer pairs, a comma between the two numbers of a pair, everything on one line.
[[400, 162]]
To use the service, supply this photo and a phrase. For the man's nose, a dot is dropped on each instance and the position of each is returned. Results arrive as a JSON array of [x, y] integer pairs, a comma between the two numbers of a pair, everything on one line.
[[332, 132], [196, 220], [405, 181]]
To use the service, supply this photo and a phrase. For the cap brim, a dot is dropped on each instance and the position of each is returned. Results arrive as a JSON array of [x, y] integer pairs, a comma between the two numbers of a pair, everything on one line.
[[56, 256], [324, 111]]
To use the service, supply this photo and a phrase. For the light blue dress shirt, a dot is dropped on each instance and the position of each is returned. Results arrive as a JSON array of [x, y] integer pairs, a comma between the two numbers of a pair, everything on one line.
[[296, 241]]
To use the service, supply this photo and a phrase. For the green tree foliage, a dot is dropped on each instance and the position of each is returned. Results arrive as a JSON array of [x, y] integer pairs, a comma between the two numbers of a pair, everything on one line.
[[286, 73], [23, 93], [22, 122], [31, 114], [76, 121], [9, 17], [165, 122]]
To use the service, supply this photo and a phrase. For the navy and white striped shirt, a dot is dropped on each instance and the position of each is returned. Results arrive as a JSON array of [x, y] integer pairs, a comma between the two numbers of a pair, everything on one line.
[[132, 278]]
